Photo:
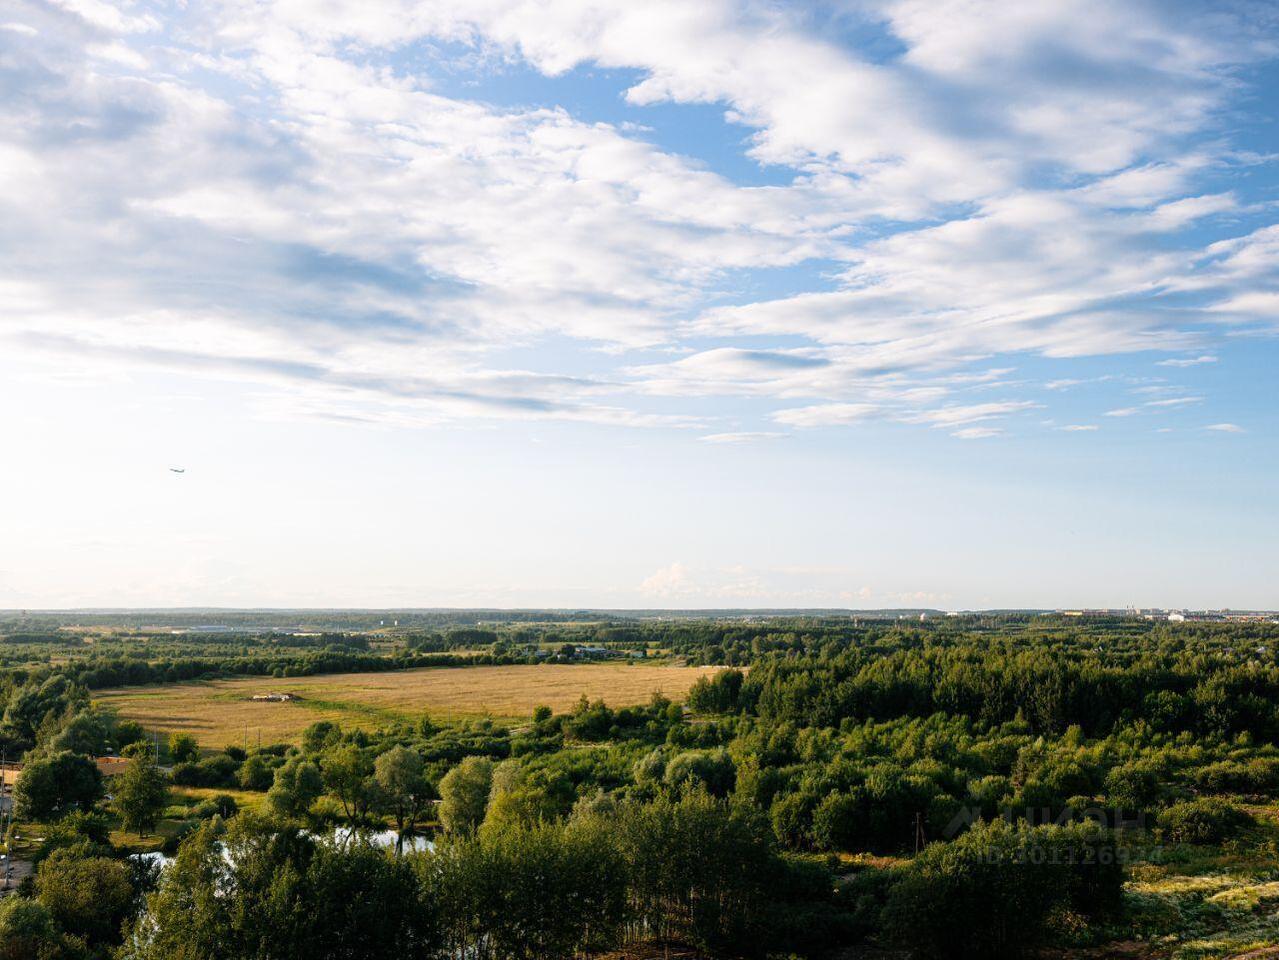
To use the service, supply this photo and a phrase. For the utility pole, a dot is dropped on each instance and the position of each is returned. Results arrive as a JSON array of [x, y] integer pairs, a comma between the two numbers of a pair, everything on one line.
[[6, 814]]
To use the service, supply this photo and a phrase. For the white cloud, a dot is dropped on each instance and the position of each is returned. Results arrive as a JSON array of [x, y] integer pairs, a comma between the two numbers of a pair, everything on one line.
[[977, 433], [1187, 361], [666, 582], [1080, 427], [826, 414], [742, 437], [1226, 428], [367, 247], [950, 416]]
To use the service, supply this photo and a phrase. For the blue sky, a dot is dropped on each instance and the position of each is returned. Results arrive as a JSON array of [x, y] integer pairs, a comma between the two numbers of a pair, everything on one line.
[[870, 303]]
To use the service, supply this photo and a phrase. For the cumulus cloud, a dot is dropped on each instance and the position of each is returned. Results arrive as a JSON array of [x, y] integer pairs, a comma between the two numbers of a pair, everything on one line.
[[666, 582], [284, 195]]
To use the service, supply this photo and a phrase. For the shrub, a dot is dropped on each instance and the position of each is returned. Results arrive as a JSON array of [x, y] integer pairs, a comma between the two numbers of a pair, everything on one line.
[[712, 770], [219, 770], [256, 773], [221, 805], [1207, 820], [183, 748], [991, 892]]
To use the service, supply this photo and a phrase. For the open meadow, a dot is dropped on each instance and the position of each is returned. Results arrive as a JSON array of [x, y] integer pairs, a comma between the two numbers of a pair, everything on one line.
[[219, 712]]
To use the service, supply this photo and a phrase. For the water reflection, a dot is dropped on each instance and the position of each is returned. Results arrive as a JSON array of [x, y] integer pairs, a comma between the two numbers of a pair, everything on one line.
[[342, 836]]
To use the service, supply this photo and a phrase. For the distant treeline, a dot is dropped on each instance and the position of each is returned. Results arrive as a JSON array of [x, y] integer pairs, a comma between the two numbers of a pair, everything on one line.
[[98, 673]]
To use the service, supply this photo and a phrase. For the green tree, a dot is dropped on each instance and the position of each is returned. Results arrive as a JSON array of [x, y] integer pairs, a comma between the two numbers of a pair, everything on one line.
[[140, 793], [348, 775], [713, 770], [50, 787], [319, 736], [401, 785], [464, 795], [257, 890], [256, 773], [540, 892], [298, 784], [28, 931], [88, 733], [528, 795], [88, 896], [183, 748], [989, 893]]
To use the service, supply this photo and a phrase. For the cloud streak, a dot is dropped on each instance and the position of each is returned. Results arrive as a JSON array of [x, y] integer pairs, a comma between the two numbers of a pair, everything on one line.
[[289, 197]]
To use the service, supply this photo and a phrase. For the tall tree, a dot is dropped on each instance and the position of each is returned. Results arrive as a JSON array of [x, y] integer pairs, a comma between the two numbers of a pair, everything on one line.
[[402, 785], [464, 795], [298, 784], [348, 775], [140, 793]]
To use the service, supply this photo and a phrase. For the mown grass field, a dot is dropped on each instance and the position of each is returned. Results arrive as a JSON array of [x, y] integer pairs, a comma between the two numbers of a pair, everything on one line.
[[220, 712]]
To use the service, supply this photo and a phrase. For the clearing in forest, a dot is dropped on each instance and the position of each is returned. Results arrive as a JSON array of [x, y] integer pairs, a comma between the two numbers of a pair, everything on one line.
[[222, 712]]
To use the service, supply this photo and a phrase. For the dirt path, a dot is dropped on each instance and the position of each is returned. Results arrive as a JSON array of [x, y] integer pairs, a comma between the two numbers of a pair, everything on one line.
[[21, 870]]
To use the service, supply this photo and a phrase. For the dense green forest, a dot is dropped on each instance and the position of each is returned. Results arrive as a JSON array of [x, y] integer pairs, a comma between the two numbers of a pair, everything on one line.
[[987, 786]]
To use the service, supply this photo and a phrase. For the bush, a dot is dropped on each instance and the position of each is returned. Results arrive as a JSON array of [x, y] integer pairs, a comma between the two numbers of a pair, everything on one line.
[[711, 770], [1208, 820], [991, 892], [1257, 776], [183, 748], [256, 773], [222, 805], [216, 771]]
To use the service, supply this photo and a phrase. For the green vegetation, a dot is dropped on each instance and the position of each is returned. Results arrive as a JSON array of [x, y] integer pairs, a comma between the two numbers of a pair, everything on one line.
[[140, 793], [982, 787]]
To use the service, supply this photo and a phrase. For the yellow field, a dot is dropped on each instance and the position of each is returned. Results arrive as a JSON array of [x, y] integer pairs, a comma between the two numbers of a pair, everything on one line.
[[220, 712]]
